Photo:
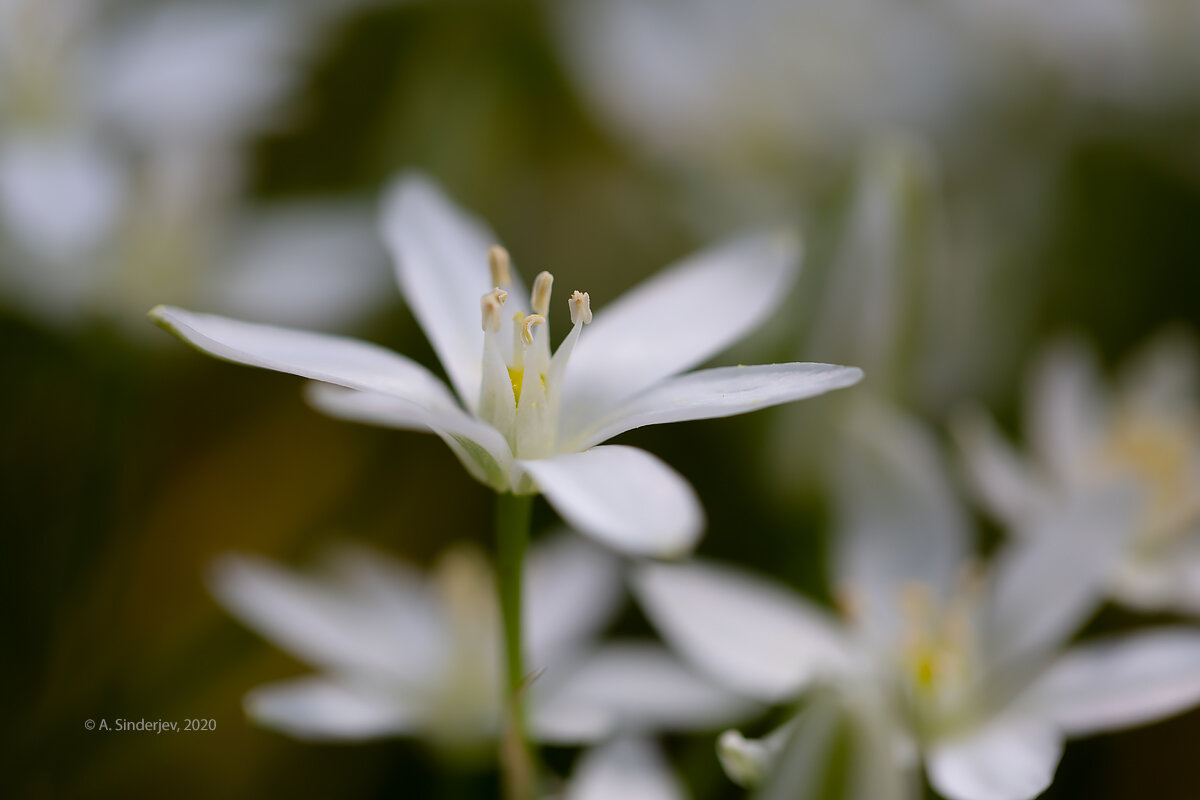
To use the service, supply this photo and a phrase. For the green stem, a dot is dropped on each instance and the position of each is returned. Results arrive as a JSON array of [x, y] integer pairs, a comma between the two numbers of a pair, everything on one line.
[[512, 537]]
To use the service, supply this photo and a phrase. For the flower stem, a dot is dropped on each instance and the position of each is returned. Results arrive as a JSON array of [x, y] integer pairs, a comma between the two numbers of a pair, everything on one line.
[[512, 537]]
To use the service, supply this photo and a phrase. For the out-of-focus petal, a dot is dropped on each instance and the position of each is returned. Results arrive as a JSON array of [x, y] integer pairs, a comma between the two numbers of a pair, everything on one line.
[[676, 320], [998, 475], [441, 260], [898, 521], [59, 199], [320, 709], [572, 590], [1120, 683], [623, 770], [744, 631], [645, 689], [1047, 583], [312, 265], [1007, 759], [720, 392], [622, 496], [340, 621], [1066, 408], [209, 71]]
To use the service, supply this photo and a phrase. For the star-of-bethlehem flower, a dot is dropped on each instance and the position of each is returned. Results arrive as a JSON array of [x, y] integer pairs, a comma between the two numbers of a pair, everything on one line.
[[529, 421], [405, 654], [954, 666], [1084, 436]]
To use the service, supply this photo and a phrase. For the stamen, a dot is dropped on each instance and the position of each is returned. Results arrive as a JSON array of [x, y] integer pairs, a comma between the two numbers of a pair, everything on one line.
[[539, 299], [581, 308], [501, 266], [527, 326], [490, 306]]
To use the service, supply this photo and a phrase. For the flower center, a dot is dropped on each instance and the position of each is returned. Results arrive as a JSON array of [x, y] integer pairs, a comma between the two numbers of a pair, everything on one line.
[[1159, 454], [522, 382], [936, 661]]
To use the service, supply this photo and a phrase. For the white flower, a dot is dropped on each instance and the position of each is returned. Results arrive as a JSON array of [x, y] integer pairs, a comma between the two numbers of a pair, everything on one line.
[[121, 161], [528, 421], [401, 654], [1084, 436], [959, 667]]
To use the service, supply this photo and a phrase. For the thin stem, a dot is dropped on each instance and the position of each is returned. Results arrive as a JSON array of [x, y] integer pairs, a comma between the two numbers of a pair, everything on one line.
[[512, 537]]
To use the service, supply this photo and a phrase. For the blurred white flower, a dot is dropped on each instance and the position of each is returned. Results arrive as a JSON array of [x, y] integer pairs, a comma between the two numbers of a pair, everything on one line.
[[526, 427], [758, 85], [959, 667], [1084, 436], [402, 654], [761, 86], [121, 146]]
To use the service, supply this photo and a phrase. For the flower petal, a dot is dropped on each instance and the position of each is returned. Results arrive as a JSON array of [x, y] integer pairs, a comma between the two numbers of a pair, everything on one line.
[[1007, 759], [677, 320], [441, 256], [644, 689], [998, 475], [320, 356], [1048, 582], [748, 633], [898, 520], [306, 264], [721, 392], [362, 617], [622, 496], [1120, 683], [1066, 407], [482, 449], [572, 588], [321, 709], [623, 769]]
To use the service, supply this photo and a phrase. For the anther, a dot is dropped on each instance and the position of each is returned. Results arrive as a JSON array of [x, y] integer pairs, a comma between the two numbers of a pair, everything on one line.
[[581, 308], [501, 266], [527, 326], [490, 305], [539, 299]]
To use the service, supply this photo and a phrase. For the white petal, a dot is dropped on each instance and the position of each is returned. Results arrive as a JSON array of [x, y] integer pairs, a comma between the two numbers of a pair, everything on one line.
[[572, 590], [677, 320], [1008, 759], [898, 520], [721, 392], [623, 496], [409, 391], [998, 475], [340, 621], [1066, 408], [793, 762], [320, 356], [1047, 583], [441, 256], [644, 689], [1121, 683], [748, 633], [624, 770], [482, 449], [321, 709]]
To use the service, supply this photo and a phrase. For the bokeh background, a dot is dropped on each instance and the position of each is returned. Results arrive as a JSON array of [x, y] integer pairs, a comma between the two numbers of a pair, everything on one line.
[[1041, 163]]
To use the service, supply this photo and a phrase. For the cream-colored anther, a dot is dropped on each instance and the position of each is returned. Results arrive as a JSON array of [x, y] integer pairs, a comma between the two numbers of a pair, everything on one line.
[[539, 298], [581, 308], [527, 326], [501, 266], [491, 306]]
